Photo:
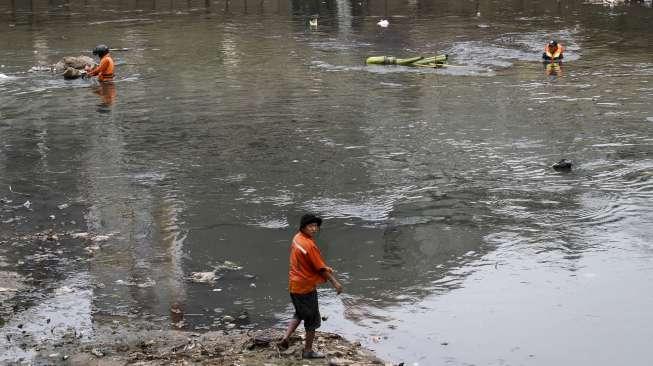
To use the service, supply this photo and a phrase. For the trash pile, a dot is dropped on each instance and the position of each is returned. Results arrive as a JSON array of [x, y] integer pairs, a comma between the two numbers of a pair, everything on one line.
[[214, 348], [71, 67]]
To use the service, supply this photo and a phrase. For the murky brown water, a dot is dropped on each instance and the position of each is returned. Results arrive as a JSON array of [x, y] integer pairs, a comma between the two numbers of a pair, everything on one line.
[[456, 242]]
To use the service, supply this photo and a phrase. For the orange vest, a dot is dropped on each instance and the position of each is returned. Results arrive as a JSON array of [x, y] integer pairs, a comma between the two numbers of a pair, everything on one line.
[[104, 71], [305, 265], [556, 53]]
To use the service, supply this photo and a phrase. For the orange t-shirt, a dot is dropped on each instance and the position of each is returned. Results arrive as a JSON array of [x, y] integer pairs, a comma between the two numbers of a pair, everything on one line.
[[104, 71], [305, 265]]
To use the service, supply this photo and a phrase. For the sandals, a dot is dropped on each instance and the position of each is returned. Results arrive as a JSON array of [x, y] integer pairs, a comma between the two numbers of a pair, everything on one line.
[[283, 344], [312, 354]]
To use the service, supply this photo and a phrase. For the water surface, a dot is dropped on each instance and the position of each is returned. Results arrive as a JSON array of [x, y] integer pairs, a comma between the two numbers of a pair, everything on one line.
[[456, 242]]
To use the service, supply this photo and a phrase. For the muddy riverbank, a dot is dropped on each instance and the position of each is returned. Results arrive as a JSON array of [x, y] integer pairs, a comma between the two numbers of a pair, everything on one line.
[[124, 345]]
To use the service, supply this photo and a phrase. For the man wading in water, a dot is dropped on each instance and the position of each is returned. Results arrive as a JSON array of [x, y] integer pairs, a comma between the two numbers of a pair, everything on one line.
[[307, 270], [104, 71]]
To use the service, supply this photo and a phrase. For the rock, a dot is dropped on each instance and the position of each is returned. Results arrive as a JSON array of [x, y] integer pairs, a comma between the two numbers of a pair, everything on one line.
[[97, 353], [262, 340]]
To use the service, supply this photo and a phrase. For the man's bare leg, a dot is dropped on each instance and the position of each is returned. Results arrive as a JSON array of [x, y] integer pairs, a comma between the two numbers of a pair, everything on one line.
[[308, 345], [292, 326]]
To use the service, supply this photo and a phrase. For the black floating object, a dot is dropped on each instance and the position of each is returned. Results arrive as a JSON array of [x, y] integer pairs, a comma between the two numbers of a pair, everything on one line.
[[563, 165]]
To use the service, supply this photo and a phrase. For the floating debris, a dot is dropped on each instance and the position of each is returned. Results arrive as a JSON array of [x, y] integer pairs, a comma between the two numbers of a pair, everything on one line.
[[203, 277], [228, 265], [101, 238], [562, 165], [97, 353], [148, 283]]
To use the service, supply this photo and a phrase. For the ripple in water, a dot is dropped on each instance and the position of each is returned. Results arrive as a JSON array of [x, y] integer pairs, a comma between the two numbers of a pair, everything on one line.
[[365, 209]]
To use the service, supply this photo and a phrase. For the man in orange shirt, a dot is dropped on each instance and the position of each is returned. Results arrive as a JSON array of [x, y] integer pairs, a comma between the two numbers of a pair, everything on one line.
[[553, 52], [307, 270], [104, 71]]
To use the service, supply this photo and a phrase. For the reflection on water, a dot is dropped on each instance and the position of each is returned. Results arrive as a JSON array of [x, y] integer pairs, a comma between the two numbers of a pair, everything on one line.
[[107, 93], [553, 70], [444, 219]]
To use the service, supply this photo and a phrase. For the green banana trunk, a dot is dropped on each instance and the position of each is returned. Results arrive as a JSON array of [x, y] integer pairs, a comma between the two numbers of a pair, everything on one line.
[[408, 61], [413, 61], [381, 60], [439, 59]]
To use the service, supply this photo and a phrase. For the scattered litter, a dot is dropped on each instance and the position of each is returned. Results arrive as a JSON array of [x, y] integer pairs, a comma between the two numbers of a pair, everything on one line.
[[252, 285], [92, 249], [63, 290], [229, 265], [203, 277], [63, 206], [52, 217], [27, 204], [148, 283], [97, 353], [79, 235]]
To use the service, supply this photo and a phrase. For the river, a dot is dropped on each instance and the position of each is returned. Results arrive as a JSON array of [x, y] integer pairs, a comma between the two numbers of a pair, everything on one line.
[[456, 242]]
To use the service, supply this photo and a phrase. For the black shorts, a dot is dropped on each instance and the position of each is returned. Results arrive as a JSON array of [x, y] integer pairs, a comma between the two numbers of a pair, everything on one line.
[[306, 309]]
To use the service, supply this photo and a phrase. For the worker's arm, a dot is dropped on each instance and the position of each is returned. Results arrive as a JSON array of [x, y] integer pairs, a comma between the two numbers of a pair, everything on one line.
[[328, 274], [96, 70]]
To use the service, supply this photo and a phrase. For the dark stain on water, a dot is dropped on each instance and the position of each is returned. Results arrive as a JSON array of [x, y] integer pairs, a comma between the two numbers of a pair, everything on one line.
[[170, 196]]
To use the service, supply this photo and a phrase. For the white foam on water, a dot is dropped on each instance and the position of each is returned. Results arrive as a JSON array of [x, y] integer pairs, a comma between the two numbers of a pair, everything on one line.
[[4, 77]]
